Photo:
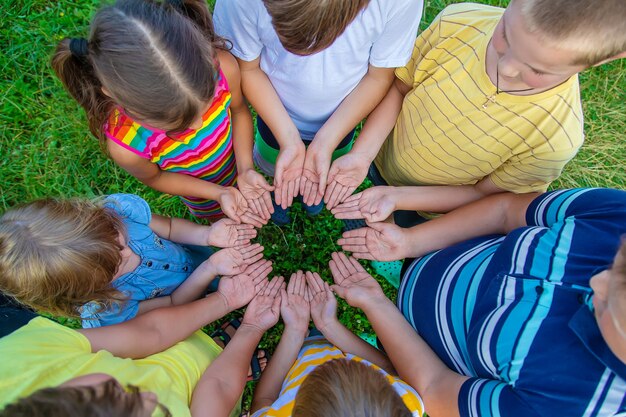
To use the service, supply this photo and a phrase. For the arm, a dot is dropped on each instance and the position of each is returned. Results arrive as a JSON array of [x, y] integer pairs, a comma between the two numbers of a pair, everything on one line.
[[349, 171], [295, 312], [222, 383], [416, 363], [324, 314], [497, 214], [231, 201], [157, 330], [356, 106], [224, 233], [261, 94], [251, 184]]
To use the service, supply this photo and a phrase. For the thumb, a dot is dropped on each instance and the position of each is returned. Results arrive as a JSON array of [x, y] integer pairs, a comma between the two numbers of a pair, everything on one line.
[[264, 184], [378, 226], [340, 291], [283, 298]]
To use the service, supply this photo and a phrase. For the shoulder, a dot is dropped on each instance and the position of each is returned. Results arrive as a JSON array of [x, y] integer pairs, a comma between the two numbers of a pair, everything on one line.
[[229, 66], [130, 206], [467, 16], [228, 13]]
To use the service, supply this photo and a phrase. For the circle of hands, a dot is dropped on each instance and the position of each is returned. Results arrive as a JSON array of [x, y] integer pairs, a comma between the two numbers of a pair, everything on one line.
[[304, 298], [311, 174]]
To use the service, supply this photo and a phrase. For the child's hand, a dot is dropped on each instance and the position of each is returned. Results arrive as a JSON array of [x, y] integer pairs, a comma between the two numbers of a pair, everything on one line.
[[288, 173], [375, 204], [238, 290], [226, 233], [379, 242], [314, 174], [235, 206], [264, 309], [294, 306], [233, 261], [322, 300], [256, 191], [345, 175], [352, 282]]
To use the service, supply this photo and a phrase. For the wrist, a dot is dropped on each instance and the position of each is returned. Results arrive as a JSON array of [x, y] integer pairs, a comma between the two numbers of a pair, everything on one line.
[[375, 303], [329, 328], [251, 329], [363, 151], [295, 333]]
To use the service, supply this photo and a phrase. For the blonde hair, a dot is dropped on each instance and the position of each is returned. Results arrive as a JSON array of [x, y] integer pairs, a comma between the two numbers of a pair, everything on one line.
[[595, 29], [56, 255], [305, 26], [347, 388]]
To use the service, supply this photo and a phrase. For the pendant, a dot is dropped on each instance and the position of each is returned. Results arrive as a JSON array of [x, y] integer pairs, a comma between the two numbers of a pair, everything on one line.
[[490, 99]]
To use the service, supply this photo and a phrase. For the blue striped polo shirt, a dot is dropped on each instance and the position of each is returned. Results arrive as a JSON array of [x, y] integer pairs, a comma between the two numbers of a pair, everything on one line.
[[514, 312]]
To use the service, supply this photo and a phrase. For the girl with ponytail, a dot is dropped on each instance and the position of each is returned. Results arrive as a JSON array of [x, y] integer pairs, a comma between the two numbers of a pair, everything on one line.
[[162, 94]]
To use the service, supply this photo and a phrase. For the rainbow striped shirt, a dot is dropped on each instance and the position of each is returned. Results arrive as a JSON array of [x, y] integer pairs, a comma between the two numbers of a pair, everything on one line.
[[206, 153], [315, 352]]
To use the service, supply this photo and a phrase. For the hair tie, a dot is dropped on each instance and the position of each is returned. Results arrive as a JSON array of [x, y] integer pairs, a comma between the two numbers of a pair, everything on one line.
[[79, 47]]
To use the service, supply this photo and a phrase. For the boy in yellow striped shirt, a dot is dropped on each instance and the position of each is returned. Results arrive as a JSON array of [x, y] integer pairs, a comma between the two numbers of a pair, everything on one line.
[[489, 102]]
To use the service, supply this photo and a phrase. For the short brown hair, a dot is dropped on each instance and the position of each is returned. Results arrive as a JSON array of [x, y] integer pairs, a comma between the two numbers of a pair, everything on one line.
[[308, 26], [56, 255], [80, 401], [347, 388], [594, 28]]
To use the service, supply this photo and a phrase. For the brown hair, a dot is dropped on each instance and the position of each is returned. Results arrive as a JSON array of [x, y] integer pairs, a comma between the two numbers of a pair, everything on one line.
[[596, 29], [308, 26], [347, 388], [157, 60], [94, 401], [56, 255]]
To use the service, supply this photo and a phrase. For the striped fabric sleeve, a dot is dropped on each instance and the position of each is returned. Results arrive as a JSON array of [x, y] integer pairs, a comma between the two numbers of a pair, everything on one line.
[[590, 204], [488, 398]]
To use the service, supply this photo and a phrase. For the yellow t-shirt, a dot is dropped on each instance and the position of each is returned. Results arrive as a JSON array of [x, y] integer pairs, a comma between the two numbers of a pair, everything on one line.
[[445, 135], [45, 354], [315, 353]]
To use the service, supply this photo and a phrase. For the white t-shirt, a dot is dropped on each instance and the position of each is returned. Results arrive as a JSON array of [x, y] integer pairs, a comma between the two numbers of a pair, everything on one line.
[[312, 87]]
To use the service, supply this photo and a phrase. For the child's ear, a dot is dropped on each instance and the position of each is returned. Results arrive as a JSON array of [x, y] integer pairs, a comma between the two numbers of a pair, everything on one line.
[[613, 58], [106, 92]]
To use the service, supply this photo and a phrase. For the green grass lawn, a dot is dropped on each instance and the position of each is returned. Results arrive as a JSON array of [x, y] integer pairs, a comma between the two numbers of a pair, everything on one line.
[[47, 150]]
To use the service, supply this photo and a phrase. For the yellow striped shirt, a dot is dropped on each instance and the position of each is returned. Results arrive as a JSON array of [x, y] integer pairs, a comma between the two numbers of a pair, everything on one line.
[[316, 352], [445, 136]]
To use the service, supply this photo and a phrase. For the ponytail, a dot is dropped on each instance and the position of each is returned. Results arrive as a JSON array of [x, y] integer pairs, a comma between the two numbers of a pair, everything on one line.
[[72, 64], [198, 12]]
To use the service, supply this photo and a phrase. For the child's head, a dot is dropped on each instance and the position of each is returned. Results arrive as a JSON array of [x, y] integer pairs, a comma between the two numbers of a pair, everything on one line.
[[347, 388], [157, 60], [609, 301], [91, 395], [305, 27], [56, 255], [541, 43]]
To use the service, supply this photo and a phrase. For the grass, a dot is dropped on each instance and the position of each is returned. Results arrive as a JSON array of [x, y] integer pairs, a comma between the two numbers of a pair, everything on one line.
[[47, 150]]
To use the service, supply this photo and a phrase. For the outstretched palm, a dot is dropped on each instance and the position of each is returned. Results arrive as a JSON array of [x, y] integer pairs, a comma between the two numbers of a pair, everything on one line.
[[352, 282]]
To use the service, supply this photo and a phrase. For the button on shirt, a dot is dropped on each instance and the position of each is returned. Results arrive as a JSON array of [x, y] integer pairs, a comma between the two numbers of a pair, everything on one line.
[[164, 264], [514, 312]]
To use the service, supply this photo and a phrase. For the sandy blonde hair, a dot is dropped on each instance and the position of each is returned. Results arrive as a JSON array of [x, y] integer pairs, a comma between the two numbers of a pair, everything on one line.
[[56, 255], [308, 26], [596, 29], [347, 388]]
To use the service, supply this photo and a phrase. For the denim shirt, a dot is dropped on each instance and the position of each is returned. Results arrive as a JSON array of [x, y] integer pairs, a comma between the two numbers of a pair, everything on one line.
[[164, 264]]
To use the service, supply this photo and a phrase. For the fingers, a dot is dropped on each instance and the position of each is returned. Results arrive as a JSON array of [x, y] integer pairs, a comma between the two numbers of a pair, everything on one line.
[[251, 250], [341, 264], [339, 290], [321, 187], [267, 202], [345, 192], [253, 219], [260, 268], [332, 192], [274, 287], [314, 282], [356, 265], [347, 263]]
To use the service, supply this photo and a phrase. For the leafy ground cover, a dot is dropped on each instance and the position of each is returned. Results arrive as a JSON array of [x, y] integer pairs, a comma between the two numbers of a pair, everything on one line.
[[47, 150]]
